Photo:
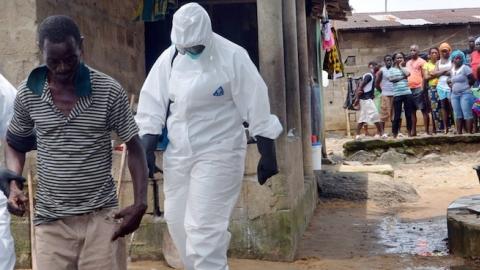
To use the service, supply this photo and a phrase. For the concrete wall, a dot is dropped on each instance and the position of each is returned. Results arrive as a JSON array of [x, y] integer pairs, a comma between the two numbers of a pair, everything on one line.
[[18, 50], [372, 45], [113, 44]]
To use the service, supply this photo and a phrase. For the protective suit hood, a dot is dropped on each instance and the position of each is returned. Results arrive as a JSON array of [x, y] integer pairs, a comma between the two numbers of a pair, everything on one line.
[[191, 26]]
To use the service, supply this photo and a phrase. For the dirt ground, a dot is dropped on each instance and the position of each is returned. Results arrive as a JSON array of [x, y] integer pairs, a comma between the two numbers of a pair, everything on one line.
[[363, 235]]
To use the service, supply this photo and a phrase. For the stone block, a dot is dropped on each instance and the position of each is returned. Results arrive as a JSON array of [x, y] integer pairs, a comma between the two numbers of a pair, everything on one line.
[[355, 186], [416, 145], [146, 244], [379, 169], [464, 227]]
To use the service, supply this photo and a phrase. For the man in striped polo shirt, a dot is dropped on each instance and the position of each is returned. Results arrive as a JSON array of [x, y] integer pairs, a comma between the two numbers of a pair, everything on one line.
[[73, 109]]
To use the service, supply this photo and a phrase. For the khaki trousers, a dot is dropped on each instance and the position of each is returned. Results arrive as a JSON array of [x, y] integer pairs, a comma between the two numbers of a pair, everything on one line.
[[80, 243]]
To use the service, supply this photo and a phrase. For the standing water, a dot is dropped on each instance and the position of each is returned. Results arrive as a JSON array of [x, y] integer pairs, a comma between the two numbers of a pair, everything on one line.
[[419, 237]]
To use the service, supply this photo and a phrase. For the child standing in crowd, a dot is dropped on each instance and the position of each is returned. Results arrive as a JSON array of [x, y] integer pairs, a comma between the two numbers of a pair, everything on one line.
[[461, 80], [364, 97], [402, 95], [432, 81]]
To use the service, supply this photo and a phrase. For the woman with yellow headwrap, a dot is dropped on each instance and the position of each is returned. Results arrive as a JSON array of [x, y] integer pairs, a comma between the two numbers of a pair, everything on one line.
[[442, 72], [431, 82]]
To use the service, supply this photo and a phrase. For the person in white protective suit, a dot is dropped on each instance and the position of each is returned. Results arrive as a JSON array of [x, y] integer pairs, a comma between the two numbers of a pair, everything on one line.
[[7, 251], [209, 87]]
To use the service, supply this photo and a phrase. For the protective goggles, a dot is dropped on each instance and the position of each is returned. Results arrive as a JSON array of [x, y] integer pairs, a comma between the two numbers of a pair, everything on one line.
[[195, 50]]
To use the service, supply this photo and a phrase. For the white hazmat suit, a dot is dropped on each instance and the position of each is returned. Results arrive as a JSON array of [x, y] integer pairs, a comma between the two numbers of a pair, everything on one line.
[[7, 251], [203, 164]]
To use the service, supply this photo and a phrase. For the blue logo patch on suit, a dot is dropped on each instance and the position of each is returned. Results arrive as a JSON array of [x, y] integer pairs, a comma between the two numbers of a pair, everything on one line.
[[219, 92]]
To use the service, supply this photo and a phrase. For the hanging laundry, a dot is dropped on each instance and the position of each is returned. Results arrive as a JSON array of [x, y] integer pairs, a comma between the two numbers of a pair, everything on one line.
[[328, 38], [154, 10], [333, 63], [350, 98]]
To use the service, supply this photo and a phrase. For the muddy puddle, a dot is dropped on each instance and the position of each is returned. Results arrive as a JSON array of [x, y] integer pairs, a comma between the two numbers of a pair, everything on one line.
[[414, 237]]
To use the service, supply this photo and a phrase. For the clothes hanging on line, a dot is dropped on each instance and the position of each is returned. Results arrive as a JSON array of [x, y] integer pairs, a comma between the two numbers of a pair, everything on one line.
[[328, 38], [333, 63], [350, 98]]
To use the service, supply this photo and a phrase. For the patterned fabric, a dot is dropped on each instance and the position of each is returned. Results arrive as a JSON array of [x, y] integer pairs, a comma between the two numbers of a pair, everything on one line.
[[435, 105], [476, 107], [74, 152], [333, 60]]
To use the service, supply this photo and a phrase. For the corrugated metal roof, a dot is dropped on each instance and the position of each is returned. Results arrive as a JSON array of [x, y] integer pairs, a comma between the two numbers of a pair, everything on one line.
[[402, 19]]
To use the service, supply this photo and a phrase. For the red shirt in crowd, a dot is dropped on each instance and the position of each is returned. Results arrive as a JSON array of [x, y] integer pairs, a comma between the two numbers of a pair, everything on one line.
[[475, 62]]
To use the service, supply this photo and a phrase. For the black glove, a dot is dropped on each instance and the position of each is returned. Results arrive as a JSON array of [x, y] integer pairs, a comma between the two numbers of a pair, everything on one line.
[[267, 166], [6, 176], [149, 143]]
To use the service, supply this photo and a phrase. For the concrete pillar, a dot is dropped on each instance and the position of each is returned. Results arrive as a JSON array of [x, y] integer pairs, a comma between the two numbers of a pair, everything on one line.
[[294, 119], [291, 66], [321, 104], [272, 69], [305, 89]]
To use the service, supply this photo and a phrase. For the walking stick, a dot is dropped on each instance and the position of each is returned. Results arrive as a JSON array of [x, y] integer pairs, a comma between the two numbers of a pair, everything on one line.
[[31, 213], [123, 160]]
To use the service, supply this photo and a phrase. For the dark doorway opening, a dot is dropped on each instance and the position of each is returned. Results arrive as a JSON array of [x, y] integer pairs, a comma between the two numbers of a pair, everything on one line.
[[236, 22]]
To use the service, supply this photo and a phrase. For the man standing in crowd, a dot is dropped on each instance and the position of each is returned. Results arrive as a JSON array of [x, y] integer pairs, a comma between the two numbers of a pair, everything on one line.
[[74, 110], [385, 86], [364, 97], [415, 82], [469, 50]]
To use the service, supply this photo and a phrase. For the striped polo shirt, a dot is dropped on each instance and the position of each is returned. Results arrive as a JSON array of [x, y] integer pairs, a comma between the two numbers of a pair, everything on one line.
[[400, 88], [74, 157]]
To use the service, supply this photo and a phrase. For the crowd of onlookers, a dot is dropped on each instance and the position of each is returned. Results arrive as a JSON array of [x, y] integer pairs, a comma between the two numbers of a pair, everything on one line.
[[442, 84]]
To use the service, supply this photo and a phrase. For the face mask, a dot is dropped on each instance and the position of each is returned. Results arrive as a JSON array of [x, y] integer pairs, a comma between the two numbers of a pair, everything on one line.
[[193, 56]]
